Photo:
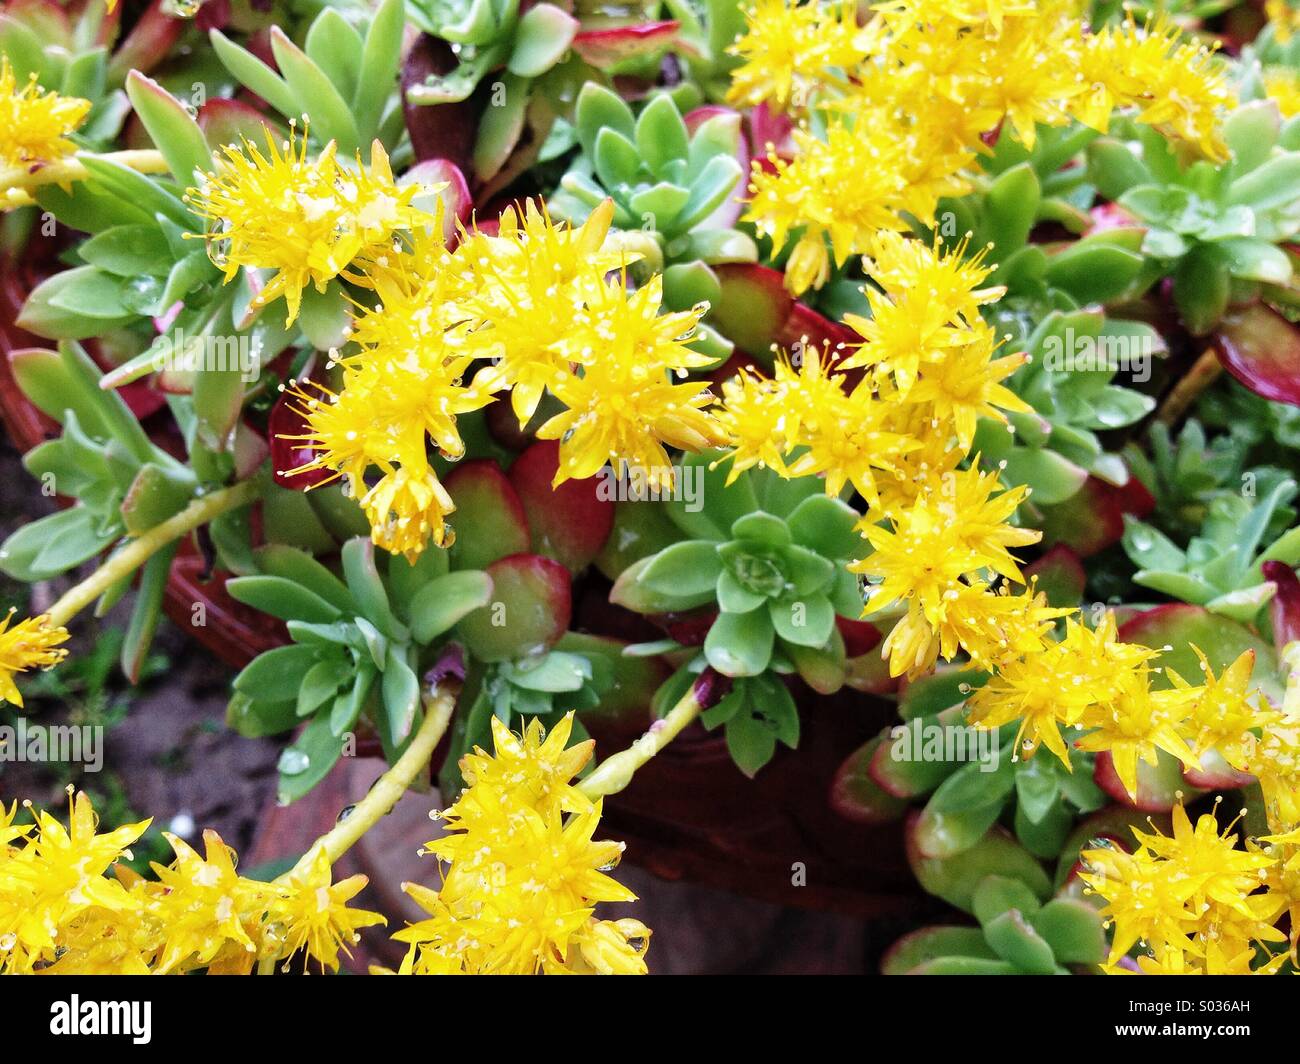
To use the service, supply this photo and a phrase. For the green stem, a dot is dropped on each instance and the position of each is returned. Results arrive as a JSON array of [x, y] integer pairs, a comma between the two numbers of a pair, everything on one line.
[[438, 705], [22, 179], [143, 547], [617, 770], [1202, 373]]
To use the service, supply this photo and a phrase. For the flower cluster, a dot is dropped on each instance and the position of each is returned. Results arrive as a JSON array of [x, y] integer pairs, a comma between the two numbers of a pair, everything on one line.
[[930, 84], [32, 643], [534, 308], [789, 50], [1197, 902], [523, 872], [35, 125], [67, 904], [900, 435], [306, 218], [1284, 17]]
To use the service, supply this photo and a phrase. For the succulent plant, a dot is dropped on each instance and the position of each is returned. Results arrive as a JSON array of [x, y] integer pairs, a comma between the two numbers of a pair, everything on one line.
[[760, 586], [1018, 934], [540, 56], [669, 180], [357, 644], [76, 52], [123, 484], [344, 76], [1220, 567], [489, 34], [1069, 381], [1215, 231]]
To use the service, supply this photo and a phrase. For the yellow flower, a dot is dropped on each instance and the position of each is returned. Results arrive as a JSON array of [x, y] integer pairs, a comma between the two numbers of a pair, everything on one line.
[[1137, 723], [314, 913], [524, 877], [1284, 17], [928, 306], [307, 219], [534, 767], [966, 385], [1055, 686], [841, 190], [848, 436], [1143, 904], [403, 387], [755, 415], [207, 912], [789, 48], [942, 537], [56, 878], [1209, 866], [1275, 762], [989, 624], [1181, 88], [1227, 714], [527, 286], [623, 405], [612, 947], [1193, 898], [60, 912], [30, 644], [34, 124], [1283, 85]]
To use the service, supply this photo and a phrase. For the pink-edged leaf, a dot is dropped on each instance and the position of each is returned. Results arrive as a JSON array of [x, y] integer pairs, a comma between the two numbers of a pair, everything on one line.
[[489, 519], [1060, 575], [860, 637], [1180, 626], [457, 202], [756, 312], [770, 131], [233, 121], [1262, 350], [569, 523], [529, 612], [47, 18], [1093, 518], [1158, 786], [856, 796], [1285, 605], [150, 41], [604, 47], [142, 397], [251, 450], [286, 420], [729, 212]]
